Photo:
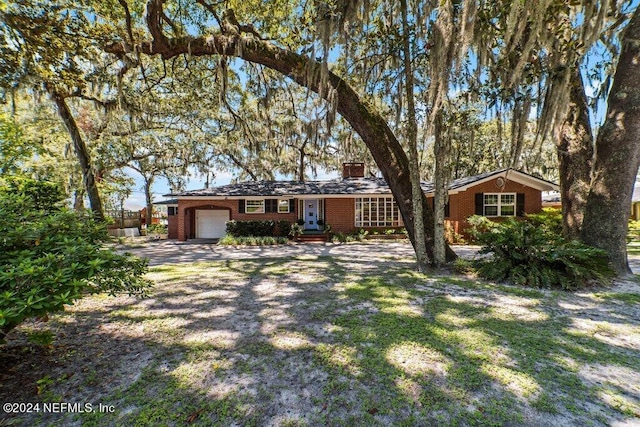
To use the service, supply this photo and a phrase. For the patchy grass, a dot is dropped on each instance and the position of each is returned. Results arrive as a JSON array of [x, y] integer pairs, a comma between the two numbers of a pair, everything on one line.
[[330, 341]]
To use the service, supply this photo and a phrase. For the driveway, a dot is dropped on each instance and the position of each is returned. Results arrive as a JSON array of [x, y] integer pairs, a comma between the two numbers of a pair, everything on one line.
[[174, 252]]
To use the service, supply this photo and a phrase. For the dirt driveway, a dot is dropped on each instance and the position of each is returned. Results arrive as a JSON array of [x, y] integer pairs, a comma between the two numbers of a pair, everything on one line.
[[174, 252]]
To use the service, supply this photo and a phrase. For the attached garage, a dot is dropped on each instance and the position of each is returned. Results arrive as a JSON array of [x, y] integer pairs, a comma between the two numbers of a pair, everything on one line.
[[211, 223]]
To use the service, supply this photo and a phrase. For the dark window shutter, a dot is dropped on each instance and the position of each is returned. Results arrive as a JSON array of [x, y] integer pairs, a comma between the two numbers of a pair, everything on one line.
[[520, 204], [292, 205], [271, 205], [479, 203], [241, 206]]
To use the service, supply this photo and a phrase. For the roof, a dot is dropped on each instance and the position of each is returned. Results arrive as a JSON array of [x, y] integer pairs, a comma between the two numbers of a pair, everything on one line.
[[346, 186], [350, 186], [167, 202], [463, 184]]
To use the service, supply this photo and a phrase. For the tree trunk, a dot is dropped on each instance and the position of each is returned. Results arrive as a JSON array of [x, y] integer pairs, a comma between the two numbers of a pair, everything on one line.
[[412, 141], [575, 158], [372, 128], [78, 200], [148, 182], [617, 156], [441, 150], [81, 153]]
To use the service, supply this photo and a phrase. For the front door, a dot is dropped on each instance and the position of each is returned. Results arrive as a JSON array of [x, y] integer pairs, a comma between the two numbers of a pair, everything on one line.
[[311, 214]]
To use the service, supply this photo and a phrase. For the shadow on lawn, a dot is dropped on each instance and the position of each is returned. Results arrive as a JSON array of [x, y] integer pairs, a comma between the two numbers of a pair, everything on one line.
[[345, 342]]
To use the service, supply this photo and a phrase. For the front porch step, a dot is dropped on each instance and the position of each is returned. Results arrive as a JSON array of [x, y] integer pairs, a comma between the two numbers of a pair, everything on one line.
[[307, 238]]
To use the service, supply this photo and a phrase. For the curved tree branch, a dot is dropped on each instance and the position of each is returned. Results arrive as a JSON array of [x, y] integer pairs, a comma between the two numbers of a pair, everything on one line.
[[369, 124]]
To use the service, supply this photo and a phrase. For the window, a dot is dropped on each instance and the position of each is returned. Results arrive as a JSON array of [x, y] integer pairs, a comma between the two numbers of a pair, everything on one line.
[[283, 206], [172, 210], [377, 212], [499, 204], [254, 206]]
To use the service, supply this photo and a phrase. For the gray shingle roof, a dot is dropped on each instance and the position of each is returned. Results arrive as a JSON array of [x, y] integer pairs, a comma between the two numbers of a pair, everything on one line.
[[295, 188], [347, 186]]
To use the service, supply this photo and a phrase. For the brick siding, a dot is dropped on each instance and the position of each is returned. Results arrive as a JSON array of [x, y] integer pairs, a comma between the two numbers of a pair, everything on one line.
[[463, 205], [340, 212], [187, 208]]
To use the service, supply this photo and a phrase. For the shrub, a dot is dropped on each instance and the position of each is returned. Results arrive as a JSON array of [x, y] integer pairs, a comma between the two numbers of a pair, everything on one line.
[[250, 228], [51, 256], [526, 254], [296, 230], [284, 228], [633, 234], [550, 219], [252, 240], [157, 229]]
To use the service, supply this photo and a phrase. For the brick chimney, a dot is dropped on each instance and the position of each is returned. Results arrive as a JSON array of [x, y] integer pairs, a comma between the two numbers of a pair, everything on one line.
[[353, 170]]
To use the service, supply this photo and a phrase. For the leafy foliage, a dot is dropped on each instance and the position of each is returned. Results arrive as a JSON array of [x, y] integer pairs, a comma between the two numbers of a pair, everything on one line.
[[550, 219], [250, 228], [633, 233], [157, 229], [283, 227], [527, 254], [252, 240], [52, 256]]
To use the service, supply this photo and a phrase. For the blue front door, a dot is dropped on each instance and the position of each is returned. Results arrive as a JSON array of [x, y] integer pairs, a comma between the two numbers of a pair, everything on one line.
[[311, 214]]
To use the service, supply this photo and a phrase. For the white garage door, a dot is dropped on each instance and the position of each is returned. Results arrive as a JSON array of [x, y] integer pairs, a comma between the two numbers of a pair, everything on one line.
[[211, 224]]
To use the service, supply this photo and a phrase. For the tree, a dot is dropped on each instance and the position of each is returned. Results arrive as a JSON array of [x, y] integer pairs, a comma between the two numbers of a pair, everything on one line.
[[575, 158], [617, 156], [241, 41], [36, 48], [51, 256]]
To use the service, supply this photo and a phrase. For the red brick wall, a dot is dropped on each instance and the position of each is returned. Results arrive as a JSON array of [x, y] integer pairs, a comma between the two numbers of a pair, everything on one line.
[[172, 226], [463, 205], [186, 215], [340, 214]]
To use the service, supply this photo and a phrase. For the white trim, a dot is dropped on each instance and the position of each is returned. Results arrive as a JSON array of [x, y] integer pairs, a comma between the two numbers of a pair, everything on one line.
[[499, 204], [511, 175], [389, 206], [287, 204], [246, 206]]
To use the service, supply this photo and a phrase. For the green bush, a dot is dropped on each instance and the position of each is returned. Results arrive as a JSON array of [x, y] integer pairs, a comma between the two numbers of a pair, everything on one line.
[[550, 219], [296, 230], [526, 254], [52, 256], [283, 227], [250, 228], [633, 234], [157, 229], [228, 240]]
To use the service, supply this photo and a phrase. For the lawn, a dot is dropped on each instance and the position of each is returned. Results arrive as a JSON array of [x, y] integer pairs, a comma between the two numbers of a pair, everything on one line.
[[333, 341]]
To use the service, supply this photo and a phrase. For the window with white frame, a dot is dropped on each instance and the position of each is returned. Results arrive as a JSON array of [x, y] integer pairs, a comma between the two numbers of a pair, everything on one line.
[[283, 206], [499, 204], [377, 212], [254, 206]]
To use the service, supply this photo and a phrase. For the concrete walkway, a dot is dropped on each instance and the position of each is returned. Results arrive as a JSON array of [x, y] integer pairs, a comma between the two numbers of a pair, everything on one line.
[[174, 252]]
